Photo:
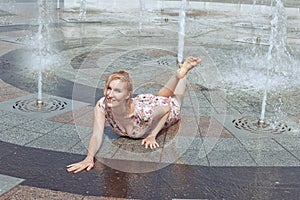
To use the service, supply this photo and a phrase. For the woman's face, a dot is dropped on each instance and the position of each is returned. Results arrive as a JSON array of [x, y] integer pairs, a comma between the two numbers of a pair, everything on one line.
[[117, 94]]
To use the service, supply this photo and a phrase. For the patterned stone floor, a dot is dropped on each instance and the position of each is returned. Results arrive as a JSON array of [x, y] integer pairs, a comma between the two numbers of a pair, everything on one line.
[[209, 154]]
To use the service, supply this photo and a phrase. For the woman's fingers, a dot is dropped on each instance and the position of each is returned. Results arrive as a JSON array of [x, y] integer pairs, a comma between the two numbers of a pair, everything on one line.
[[89, 167], [151, 144], [71, 165], [154, 145], [78, 167]]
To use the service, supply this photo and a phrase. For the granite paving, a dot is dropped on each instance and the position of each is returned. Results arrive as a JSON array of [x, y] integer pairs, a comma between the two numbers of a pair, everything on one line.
[[208, 154]]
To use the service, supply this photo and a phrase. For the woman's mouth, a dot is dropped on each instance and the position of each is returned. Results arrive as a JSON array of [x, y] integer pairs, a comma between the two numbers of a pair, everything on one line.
[[109, 100]]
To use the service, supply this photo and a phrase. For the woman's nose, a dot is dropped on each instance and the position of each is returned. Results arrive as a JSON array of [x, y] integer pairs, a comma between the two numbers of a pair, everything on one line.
[[110, 93]]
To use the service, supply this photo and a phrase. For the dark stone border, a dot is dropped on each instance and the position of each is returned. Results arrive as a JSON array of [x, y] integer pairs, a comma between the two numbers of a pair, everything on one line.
[[47, 169]]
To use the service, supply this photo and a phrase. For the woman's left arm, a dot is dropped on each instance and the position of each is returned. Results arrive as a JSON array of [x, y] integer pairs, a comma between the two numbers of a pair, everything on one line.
[[160, 116]]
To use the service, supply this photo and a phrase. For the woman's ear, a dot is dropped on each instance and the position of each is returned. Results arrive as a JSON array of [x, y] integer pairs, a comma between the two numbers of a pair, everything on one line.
[[129, 95]]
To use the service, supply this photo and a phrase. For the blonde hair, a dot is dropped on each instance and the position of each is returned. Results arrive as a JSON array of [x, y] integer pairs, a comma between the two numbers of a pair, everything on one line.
[[122, 76]]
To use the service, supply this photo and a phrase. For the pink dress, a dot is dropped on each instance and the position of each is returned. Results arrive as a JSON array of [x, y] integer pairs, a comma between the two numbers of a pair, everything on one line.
[[143, 114]]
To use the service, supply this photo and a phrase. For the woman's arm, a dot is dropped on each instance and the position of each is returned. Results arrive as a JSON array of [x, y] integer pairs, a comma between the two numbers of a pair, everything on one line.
[[94, 145], [160, 116]]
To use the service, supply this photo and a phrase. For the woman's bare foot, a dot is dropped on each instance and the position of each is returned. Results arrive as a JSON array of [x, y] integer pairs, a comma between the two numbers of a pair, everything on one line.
[[188, 64]]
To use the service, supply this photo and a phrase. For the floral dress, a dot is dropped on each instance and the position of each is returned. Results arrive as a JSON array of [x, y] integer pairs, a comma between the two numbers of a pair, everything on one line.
[[142, 118]]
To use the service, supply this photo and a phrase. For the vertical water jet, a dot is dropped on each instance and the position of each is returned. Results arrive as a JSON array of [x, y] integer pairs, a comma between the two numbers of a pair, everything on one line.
[[181, 32]]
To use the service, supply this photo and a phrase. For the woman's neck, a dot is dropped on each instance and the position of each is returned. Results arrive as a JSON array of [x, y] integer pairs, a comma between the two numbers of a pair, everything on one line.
[[124, 110]]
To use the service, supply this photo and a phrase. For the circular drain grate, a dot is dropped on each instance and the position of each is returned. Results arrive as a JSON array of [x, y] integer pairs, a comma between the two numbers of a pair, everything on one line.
[[253, 40], [48, 105], [163, 62], [251, 124], [251, 25]]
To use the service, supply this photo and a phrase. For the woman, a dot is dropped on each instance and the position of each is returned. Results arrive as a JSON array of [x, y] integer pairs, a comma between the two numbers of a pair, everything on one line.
[[141, 117]]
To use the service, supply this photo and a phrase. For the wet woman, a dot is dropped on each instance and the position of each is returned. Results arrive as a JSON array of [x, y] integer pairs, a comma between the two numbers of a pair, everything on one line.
[[143, 116]]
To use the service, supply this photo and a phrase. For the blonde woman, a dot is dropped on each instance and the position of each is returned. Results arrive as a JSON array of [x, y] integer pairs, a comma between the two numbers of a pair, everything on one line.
[[143, 116]]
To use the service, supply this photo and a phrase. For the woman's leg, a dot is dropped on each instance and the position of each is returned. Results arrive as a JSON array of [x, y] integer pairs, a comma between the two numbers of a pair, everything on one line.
[[169, 87], [177, 83]]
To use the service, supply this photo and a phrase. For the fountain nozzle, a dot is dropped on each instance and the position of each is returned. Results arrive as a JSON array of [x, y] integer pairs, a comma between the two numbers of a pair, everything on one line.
[[261, 123], [178, 62], [39, 103], [258, 40]]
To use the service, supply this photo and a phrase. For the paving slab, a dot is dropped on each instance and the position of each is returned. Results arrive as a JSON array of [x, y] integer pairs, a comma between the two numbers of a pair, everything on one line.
[[8, 182], [274, 158], [39, 125], [20, 136]]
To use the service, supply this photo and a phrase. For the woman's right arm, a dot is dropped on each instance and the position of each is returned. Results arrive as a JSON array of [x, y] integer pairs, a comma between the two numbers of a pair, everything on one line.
[[94, 145]]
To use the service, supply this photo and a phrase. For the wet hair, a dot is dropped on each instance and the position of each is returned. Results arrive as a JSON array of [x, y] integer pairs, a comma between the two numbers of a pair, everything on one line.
[[122, 76]]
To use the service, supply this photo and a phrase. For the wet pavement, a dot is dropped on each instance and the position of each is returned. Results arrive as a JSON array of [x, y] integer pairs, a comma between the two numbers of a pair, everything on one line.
[[214, 152]]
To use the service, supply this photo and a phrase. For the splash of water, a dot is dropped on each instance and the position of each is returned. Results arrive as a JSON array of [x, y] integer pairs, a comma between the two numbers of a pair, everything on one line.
[[141, 15], [181, 32], [253, 13], [8, 20], [277, 54], [82, 10], [43, 41]]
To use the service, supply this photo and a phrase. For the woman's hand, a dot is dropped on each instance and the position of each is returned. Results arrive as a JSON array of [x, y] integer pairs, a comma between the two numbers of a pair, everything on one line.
[[87, 164], [150, 141]]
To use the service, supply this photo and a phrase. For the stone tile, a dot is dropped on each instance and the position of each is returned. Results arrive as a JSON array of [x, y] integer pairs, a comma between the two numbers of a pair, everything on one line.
[[145, 155], [137, 152], [83, 131], [3, 112], [274, 158], [260, 144], [107, 150], [19, 136], [210, 127], [55, 142], [184, 142], [183, 154], [68, 131], [79, 148], [81, 116], [9, 92], [84, 135], [108, 147], [4, 127], [295, 118], [85, 120], [8, 182], [11, 96], [206, 111], [193, 157], [230, 144], [187, 126], [13, 119], [63, 118], [230, 158], [204, 102], [40, 126], [27, 192], [291, 144], [209, 143]]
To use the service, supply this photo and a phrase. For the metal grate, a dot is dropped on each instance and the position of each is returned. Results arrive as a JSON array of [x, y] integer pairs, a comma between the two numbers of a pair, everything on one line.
[[252, 125], [47, 105]]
